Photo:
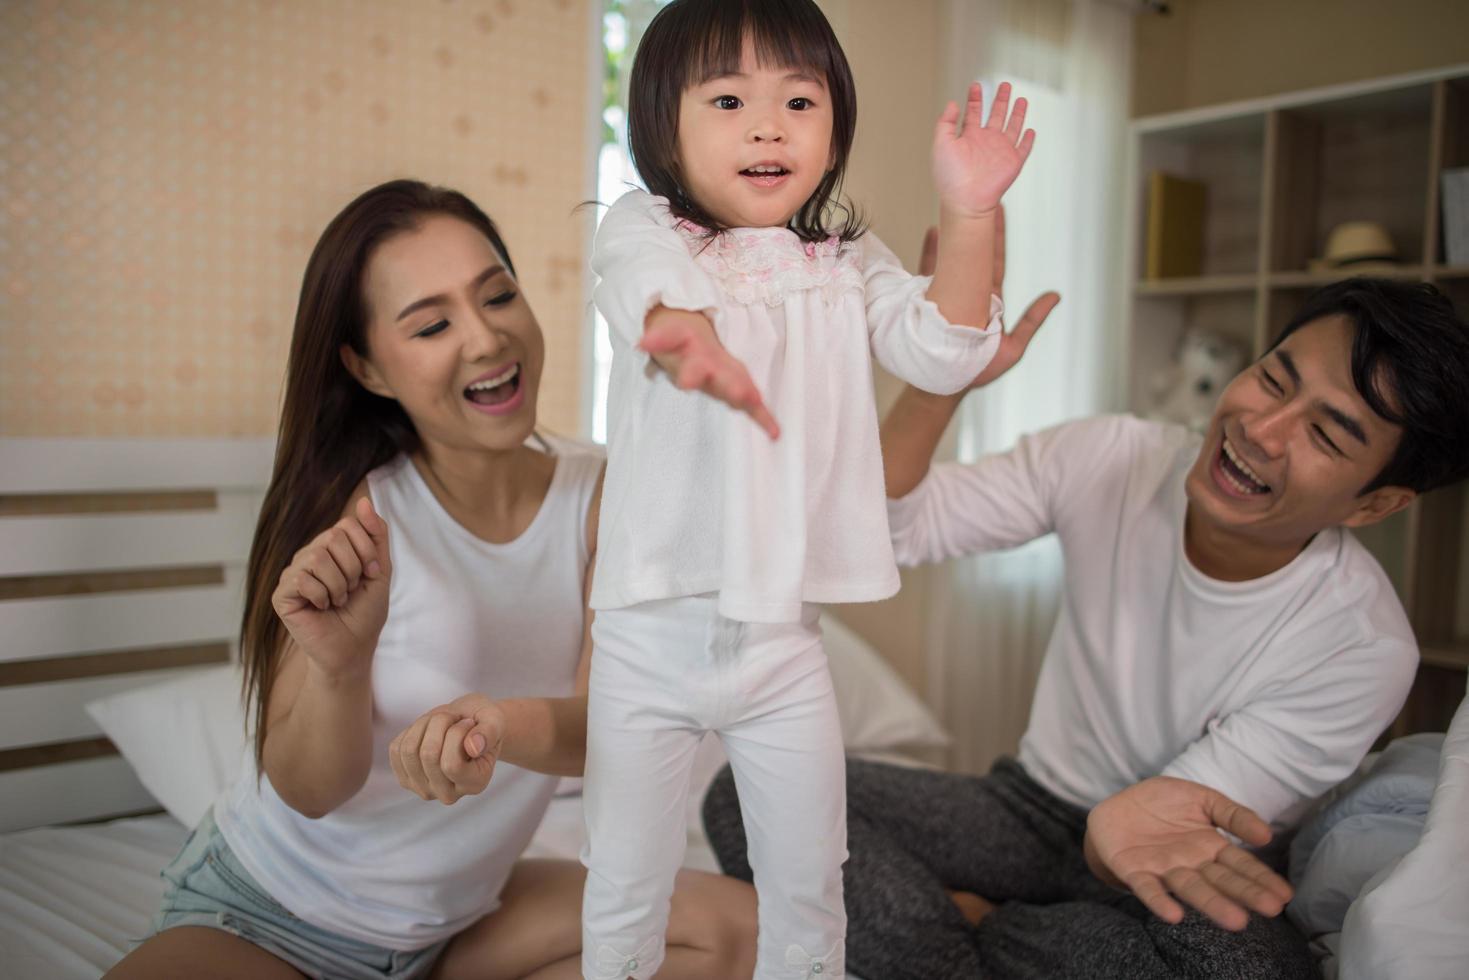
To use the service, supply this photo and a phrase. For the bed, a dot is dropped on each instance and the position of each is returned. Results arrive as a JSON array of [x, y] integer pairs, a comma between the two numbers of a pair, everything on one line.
[[74, 899], [119, 691]]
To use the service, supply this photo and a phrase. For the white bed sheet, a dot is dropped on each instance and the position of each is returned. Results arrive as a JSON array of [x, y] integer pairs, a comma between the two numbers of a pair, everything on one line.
[[73, 900]]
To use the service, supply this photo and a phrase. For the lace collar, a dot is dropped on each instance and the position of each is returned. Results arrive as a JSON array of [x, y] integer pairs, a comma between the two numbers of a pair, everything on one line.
[[768, 265]]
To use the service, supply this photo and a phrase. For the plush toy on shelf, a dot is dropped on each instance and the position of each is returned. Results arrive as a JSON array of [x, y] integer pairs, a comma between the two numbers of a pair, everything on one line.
[[1185, 391]]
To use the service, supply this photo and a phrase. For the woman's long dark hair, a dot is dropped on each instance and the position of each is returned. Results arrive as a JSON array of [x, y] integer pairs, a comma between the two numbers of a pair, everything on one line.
[[332, 430]]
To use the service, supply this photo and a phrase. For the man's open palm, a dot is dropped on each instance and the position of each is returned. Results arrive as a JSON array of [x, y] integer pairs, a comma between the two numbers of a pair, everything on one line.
[[1160, 838]]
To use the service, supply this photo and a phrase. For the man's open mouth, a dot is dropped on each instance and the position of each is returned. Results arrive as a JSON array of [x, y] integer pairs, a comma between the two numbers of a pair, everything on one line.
[[1238, 472]]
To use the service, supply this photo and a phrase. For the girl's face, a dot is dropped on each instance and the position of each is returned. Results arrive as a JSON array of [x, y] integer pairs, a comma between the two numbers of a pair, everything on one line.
[[450, 337], [754, 145]]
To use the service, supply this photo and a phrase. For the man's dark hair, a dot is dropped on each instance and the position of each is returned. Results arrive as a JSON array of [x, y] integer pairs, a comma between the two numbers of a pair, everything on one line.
[[1410, 363]]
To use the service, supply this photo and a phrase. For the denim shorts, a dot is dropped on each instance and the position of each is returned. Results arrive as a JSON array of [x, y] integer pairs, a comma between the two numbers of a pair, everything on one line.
[[207, 886]]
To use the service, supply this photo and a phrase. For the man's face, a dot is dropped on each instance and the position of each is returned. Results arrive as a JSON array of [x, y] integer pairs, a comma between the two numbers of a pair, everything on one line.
[[1292, 443]]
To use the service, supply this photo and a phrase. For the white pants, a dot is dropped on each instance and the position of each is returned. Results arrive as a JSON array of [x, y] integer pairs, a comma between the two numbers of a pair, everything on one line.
[[663, 674]]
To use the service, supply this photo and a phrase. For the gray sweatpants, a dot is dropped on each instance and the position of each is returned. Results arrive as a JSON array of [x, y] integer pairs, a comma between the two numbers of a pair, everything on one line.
[[915, 835]]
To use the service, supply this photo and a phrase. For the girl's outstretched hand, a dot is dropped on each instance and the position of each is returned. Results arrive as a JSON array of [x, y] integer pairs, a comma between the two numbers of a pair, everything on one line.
[[450, 751], [685, 346], [333, 597], [974, 167]]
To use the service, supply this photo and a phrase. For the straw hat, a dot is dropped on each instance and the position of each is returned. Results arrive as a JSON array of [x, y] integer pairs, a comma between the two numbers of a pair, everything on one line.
[[1357, 243]]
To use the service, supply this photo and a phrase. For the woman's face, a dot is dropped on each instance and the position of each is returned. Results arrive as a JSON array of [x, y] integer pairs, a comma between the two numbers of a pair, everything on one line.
[[450, 337]]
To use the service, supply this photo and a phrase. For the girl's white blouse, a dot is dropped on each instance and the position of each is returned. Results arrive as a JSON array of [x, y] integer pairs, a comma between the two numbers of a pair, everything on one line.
[[698, 499]]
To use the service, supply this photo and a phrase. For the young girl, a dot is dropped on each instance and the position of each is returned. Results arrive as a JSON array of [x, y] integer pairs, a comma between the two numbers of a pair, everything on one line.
[[720, 532]]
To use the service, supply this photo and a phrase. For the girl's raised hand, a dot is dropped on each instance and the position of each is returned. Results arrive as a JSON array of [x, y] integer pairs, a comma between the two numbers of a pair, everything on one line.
[[450, 752], [974, 167], [333, 597], [685, 346]]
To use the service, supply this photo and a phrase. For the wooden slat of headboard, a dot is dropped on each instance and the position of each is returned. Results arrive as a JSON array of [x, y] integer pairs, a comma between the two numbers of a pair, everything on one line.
[[53, 545], [124, 561], [32, 714], [65, 625], [71, 791], [56, 753], [35, 504], [83, 665], [93, 583]]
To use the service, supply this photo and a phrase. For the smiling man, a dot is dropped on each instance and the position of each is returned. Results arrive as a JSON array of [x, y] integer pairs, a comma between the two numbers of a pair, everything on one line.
[[1225, 648]]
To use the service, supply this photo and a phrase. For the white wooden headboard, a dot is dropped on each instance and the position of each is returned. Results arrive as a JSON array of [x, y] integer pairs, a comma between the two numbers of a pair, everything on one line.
[[121, 563]]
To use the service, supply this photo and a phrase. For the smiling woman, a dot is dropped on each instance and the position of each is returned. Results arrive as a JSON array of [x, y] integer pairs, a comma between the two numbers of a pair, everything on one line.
[[412, 546], [437, 356]]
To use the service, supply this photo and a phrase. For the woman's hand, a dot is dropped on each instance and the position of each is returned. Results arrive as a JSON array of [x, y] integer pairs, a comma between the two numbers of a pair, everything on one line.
[[450, 751], [974, 167], [683, 343], [333, 597]]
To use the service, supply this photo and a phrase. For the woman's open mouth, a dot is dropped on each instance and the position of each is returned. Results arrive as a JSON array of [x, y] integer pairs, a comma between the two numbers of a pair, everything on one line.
[[498, 395]]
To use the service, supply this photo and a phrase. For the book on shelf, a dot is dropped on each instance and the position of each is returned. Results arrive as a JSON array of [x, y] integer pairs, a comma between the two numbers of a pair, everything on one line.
[[1456, 216], [1175, 242]]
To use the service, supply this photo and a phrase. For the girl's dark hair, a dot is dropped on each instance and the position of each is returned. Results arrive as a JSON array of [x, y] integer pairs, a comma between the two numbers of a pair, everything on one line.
[[690, 41], [1410, 363], [332, 431]]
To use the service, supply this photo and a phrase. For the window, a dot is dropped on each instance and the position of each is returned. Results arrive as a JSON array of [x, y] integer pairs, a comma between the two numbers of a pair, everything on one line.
[[623, 23]]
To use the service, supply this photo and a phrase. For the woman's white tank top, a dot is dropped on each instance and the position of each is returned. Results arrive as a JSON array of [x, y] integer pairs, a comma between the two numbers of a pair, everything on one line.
[[464, 615]]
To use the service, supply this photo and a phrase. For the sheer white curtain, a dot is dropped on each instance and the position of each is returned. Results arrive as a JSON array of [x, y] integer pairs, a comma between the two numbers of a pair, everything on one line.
[[990, 616]]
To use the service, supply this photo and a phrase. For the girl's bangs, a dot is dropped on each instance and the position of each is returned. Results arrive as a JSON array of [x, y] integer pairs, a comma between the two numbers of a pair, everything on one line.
[[780, 41]]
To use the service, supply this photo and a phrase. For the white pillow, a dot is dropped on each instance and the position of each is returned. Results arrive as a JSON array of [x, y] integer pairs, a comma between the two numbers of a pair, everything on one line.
[[1412, 919], [880, 713], [185, 738]]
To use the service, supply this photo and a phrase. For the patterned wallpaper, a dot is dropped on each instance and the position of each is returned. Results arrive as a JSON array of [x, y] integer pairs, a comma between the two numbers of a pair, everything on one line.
[[165, 168]]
